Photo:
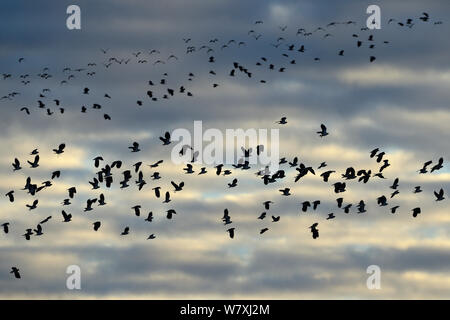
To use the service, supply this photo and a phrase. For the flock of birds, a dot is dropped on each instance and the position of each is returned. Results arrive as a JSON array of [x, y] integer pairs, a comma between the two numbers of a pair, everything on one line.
[[160, 90], [105, 174]]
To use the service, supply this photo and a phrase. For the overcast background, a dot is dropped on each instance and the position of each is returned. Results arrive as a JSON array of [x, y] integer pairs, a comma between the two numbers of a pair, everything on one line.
[[399, 103]]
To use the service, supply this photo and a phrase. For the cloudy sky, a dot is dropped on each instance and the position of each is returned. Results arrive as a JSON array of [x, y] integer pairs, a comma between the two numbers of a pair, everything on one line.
[[398, 103]]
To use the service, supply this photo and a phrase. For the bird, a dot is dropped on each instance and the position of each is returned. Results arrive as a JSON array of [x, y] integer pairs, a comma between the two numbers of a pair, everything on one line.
[[125, 231], [233, 183], [27, 111], [382, 201], [178, 187], [226, 217], [385, 165], [95, 184], [150, 237], [101, 200], [156, 164], [170, 213], [38, 230], [438, 166], [97, 225], [316, 204], [46, 220], [137, 210], [374, 152], [219, 169], [15, 271], [134, 147], [282, 120], [157, 192], [275, 219], [393, 194], [97, 161], [361, 207], [323, 131], [326, 175], [267, 204], [72, 192], [322, 165], [347, 208], [416, 212], [379, 175], [67, 217], [305, 205], [285, 191], [167, 197], [339, 187], [439, 195], [380, 156], [331, 216], [149, 217], [263, 230], [35, 163], [60, 149], [5, 227], [231, 232], [28, 234], [395, 184], [424, 167], [394, 209], [10, 195], [16, 165], [314, 230], [33, 206], [166, 138], [56, 174], [89, 203]]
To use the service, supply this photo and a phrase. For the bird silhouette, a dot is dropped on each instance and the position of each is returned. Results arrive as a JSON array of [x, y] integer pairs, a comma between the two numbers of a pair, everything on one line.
[[15, 271], [438, 166], [439, 195], [60, 149], [97, 225], [125, 231], [314, 230], [170, 213], [35, 163], [67, 217], [5, 227], [231, 232], [10, 196], [135, 147], [165, 139]]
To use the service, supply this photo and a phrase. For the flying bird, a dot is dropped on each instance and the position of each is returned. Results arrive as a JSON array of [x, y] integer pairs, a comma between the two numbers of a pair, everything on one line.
[[323, 131], [16, 272]]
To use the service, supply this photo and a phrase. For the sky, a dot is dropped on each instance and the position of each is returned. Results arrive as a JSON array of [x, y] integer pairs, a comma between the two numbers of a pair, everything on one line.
[[398, 103]]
